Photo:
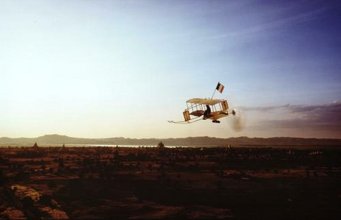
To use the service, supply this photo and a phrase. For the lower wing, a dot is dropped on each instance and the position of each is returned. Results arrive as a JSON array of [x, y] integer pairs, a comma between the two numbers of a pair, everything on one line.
[[186, 122]]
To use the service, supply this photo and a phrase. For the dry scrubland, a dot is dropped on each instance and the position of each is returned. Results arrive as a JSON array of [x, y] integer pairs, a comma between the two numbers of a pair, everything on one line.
[[192, 183]]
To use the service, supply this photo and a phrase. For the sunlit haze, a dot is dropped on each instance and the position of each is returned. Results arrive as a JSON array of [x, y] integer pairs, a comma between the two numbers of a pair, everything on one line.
[[124, 68]]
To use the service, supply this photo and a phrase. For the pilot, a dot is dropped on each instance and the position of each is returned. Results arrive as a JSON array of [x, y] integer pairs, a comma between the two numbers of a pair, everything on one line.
[[207, 112]]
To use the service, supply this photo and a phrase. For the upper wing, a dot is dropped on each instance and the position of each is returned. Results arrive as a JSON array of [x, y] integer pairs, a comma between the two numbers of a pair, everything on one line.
[[204, 101]]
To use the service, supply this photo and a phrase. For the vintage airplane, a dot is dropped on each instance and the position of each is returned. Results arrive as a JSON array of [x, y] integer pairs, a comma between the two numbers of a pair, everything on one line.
[[205, 108]]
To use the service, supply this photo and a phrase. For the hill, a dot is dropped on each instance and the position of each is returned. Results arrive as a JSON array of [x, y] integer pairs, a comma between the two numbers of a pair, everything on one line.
[[56, 139]]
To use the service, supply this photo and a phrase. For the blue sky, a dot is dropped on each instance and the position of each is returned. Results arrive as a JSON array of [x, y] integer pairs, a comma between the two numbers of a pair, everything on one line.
[[123, 68]]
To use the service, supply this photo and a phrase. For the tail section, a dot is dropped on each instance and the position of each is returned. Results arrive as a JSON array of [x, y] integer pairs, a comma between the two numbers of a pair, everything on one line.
[[187, 116]]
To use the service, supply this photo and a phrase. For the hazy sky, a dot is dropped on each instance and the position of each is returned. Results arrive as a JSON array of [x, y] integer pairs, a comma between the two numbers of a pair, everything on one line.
[[123, 68]]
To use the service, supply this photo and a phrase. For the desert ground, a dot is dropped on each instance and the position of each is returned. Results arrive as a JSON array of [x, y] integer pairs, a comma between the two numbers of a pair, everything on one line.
[[170, 183]]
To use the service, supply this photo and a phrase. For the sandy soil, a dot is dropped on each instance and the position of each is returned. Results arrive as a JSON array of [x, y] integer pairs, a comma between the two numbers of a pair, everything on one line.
[[162, 183]]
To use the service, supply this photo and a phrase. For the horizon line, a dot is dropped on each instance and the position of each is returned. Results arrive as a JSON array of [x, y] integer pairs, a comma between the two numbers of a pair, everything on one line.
[[251, 137]]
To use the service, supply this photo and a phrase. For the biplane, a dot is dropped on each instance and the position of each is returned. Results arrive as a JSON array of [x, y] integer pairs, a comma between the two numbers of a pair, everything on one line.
[[205, 108]]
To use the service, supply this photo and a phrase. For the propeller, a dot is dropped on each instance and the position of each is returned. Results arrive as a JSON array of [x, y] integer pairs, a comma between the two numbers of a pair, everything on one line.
[[238, 118]]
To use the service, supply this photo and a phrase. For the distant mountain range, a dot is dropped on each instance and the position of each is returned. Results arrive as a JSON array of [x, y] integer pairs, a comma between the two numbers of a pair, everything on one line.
[[57, 140]]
